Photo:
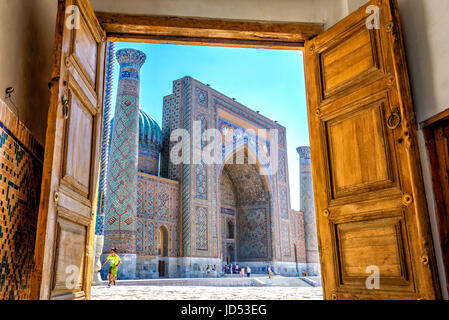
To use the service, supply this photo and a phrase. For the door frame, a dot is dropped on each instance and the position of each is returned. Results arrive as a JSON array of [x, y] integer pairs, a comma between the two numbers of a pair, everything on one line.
[[161, 29], [58, 193], [442, 214], [208, 32]]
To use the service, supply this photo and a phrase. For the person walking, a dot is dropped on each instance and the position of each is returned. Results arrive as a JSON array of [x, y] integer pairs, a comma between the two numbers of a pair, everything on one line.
[[113, 266]]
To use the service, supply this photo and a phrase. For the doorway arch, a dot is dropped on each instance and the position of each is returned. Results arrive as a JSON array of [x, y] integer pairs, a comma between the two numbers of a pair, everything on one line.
[[162, 250], [245, 206]]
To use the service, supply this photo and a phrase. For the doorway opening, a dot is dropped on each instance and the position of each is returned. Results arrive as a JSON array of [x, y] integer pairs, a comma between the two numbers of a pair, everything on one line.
[[240, 215], [162, 242], [245, 202], [359, 103], [230, 254], [436, 134]]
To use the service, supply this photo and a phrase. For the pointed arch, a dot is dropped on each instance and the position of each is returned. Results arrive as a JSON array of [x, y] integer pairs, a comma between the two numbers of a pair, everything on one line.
[[249, 153], [252, 216]]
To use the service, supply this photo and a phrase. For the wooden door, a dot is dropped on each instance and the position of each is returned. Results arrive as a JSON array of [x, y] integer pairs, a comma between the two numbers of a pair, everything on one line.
[[437, 141], [371, 208], [64, 244]]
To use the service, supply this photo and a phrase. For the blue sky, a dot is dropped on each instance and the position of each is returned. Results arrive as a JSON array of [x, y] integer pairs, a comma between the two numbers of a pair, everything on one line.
[[269, 81]]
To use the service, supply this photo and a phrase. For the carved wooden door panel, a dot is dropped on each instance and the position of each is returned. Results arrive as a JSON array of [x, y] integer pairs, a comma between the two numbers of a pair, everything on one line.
[[64, 243], [371, 208]]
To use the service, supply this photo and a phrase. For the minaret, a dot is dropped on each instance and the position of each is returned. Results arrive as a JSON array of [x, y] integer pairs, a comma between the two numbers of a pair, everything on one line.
[[308, 208], [120, 207]]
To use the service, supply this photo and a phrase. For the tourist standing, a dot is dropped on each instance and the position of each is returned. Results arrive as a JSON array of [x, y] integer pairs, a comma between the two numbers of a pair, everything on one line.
[[270, 272], [242, 272], [248, 271]]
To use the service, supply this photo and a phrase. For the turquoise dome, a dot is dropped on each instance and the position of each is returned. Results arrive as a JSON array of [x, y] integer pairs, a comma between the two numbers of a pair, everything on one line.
[[149, 131]]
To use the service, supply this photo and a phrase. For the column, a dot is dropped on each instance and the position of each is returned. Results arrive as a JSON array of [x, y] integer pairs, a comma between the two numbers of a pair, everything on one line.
[[121, 204], [308, 208]]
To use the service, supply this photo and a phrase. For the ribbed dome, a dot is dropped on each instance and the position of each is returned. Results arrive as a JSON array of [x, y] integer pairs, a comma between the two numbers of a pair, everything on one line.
[[149, 131]]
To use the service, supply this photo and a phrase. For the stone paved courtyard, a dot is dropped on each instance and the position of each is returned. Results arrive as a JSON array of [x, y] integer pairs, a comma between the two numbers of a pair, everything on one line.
[[205, 293], [264, 289]]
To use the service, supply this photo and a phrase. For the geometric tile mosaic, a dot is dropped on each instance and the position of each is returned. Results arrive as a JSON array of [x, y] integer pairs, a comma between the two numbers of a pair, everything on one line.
[[285, 236], [20, 185], [164, 211], [253, 234], [257, 205], [201, 229], [123, 160]]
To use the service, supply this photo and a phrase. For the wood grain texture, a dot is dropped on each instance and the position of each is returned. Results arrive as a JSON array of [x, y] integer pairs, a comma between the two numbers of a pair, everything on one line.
[[205, 31], [374, 243], [65, 231], [356, 77], [357, 149]]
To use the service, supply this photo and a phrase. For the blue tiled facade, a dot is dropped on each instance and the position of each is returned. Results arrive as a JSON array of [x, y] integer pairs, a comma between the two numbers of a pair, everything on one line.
[[152, 202]]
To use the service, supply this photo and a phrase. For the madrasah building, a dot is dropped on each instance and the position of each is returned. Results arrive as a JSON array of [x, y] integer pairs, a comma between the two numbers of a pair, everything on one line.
[[174, 220]]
